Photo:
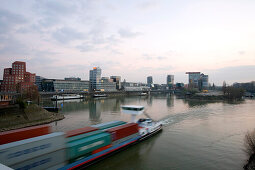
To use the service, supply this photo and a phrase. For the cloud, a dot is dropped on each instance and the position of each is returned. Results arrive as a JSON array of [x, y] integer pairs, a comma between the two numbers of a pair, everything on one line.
[[125, 33], [85, 47], [60, 72], [54, 8], [105, 64], [11, 46], [153, 57], [231, 74], [147, 57], [161, 58], [241, 52], [66, 34], [36, 62], [9, 21], [146, 5], [96, 43]]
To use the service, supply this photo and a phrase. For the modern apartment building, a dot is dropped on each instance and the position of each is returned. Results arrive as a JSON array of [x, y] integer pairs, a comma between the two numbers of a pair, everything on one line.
[[17, 79]]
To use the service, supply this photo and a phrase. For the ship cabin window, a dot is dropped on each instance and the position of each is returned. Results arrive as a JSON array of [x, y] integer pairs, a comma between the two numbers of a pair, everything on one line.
[[133, 109]]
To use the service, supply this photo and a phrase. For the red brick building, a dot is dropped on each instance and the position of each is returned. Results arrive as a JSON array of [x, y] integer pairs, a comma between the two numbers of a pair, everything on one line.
[[16, 79]]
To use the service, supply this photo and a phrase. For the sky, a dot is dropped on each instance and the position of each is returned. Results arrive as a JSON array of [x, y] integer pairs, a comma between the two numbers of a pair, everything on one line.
[[132, 39]]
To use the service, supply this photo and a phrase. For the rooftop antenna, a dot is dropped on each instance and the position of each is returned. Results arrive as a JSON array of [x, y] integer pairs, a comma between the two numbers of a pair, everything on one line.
[[132, 110]]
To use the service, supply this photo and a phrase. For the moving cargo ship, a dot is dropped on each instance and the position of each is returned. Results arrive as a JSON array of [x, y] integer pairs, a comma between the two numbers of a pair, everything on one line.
[[74, 149]]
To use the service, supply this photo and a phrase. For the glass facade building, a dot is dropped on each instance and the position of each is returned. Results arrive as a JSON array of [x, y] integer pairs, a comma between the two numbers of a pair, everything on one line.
[[54, 85], [149, 81], [108, 84], [117, 80], [95, 79], [170, 81], [197, 80]]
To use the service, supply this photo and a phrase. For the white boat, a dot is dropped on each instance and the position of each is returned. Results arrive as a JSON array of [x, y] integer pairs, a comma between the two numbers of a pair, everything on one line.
[[147, 127], [67, 97], [100, 95]]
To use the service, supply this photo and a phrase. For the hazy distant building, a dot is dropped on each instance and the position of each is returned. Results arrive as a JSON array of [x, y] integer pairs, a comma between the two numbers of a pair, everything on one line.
[[249, 86], [73, 78], [117, 80], [95, 79], [108, 84], [17, 78], [170, 81], [179, 85], [149, 81], [131, 86]]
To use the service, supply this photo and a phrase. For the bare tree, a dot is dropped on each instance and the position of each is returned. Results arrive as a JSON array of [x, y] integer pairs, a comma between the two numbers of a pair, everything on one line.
[[249, 143], [224, 87]]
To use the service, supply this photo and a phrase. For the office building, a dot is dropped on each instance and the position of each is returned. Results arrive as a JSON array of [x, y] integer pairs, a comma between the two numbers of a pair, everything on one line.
[[193, 79], [95, 79], [170, 81], [17, 79], [198, 80], [38, 82], [73, 78], [132, 86], [203, 83], [57, 85], [149, 81], [107, 84], [117, 80]]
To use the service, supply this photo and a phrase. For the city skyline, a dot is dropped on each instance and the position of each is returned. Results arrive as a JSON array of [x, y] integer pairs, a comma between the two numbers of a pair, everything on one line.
[[132, 39]]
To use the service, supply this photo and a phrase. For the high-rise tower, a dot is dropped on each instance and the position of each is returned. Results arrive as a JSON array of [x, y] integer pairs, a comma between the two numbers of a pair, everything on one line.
[[95, 78]]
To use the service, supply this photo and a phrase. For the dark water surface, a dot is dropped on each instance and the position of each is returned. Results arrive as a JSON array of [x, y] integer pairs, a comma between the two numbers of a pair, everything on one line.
[[196, 135]]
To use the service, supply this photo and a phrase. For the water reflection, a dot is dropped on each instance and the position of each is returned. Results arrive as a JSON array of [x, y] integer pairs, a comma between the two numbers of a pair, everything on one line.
[[95, 111], [149, 100], [135, 157], [170, 100], [195, 103]]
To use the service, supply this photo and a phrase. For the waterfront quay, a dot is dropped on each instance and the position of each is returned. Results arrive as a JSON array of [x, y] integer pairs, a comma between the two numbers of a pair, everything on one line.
[[108, 93]]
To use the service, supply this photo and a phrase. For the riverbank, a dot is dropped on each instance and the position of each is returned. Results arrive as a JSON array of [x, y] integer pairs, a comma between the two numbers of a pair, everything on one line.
[[14, 118], [209, 96], [213, 96]]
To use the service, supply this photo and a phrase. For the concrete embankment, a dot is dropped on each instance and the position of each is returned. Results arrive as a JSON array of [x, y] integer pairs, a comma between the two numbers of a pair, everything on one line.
[[13, 117]]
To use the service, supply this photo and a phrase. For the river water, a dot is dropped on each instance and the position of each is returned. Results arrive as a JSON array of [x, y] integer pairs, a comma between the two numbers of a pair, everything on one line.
[[196, 135]]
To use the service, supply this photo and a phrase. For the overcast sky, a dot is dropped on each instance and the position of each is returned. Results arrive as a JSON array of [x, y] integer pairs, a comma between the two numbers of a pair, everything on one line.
[[133, 39]]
